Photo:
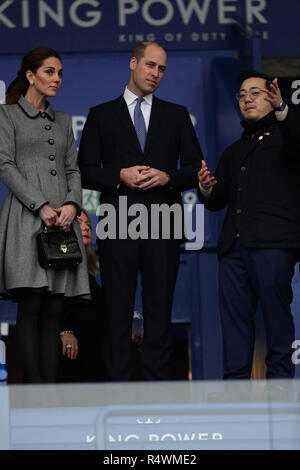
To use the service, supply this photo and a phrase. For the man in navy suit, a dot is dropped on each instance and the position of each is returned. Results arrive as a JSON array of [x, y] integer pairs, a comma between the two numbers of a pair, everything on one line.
[[257, 179], [134, 157]]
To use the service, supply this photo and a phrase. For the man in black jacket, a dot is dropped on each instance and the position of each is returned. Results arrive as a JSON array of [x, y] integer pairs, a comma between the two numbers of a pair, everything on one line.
[[257, 178], [130, 150]]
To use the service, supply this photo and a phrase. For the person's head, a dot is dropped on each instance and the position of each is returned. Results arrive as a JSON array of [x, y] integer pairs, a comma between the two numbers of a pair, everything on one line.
[[86, 231], [251, 95], [40, 74], [86, 227], [147, 67]]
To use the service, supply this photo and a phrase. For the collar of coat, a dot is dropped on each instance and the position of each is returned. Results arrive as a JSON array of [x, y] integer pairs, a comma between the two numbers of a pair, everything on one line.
[[32, 112], [266, 123]]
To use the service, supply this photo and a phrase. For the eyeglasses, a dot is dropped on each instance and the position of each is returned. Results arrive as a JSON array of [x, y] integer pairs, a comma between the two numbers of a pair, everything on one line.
[[253, 94]]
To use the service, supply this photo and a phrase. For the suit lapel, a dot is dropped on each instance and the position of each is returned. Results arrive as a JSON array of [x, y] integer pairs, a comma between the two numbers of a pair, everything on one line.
[[126, 123], [153, 123]]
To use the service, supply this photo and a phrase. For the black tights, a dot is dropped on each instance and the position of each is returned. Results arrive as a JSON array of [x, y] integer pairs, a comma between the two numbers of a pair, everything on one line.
[[37, 333]]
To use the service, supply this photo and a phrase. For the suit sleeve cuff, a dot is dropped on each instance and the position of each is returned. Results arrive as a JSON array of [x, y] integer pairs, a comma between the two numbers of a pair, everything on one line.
[[205, 192], [281, 115]]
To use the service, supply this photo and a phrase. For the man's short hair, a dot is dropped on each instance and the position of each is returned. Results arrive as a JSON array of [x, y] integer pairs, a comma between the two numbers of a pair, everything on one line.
[[252, 74], [139, 50]]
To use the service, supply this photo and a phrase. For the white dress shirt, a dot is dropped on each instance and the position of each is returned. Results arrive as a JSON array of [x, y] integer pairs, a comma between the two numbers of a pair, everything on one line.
[[146, 105]]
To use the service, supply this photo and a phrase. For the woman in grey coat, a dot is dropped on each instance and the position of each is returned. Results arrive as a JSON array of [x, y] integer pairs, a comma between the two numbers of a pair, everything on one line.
[[38, 165]]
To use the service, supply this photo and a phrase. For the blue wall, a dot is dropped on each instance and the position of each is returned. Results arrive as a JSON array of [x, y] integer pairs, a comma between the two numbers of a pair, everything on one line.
[[204, 81]]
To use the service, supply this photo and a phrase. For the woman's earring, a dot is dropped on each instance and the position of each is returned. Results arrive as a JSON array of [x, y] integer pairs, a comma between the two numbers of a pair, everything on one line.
[[31, 82]]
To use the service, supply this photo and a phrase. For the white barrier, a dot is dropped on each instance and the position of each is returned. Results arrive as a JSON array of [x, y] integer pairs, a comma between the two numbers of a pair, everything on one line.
[[157, 416]]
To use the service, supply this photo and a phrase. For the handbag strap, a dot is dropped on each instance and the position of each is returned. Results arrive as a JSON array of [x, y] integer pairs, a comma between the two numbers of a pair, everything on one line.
[[45, 229]]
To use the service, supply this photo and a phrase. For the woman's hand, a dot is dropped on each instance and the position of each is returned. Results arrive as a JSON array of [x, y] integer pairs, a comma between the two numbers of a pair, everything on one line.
[[65, 215], [69, 345], [48, 215]]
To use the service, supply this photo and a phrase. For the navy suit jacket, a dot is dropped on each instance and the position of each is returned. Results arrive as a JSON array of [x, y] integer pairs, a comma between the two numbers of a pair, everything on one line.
[[109, 143]]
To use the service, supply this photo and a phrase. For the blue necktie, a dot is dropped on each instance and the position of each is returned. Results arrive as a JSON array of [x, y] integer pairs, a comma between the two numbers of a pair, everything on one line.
[[139, 123]]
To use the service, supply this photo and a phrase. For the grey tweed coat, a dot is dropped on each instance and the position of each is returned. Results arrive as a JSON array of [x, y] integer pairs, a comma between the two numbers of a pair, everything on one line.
[[38, 165]]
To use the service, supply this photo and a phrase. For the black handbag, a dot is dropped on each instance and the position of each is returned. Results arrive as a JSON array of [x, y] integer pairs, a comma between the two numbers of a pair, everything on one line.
[[58, 248]]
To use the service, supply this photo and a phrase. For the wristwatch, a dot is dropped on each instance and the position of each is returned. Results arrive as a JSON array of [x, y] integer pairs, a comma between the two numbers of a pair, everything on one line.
[[281, 107]]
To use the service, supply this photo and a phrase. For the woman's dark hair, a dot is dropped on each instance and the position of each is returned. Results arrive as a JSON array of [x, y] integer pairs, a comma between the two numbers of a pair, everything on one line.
[[31, 61]]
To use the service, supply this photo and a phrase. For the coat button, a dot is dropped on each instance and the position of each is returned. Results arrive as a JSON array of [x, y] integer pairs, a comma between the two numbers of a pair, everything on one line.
[[51, 157], [32, 205], [239, 211], [239, 189], [43, 115], [243, 168], [51, 141], [53, 172], [47, 127]]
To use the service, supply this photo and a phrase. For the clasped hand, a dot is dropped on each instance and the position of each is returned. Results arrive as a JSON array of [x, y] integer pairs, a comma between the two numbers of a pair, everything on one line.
[[143, 177], [61, 217]]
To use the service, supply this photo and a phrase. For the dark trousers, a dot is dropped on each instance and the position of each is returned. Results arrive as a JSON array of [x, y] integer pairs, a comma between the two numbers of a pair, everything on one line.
[[120, 261], [246, 277], [37, 334]]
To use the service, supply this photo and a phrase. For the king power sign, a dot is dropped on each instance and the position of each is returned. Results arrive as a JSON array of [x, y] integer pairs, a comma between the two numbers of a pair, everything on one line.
[[108, 25], [89, 13]]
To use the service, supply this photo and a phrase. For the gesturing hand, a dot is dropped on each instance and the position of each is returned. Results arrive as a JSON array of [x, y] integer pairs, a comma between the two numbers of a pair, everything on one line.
[[273, 95], [204, 177]]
